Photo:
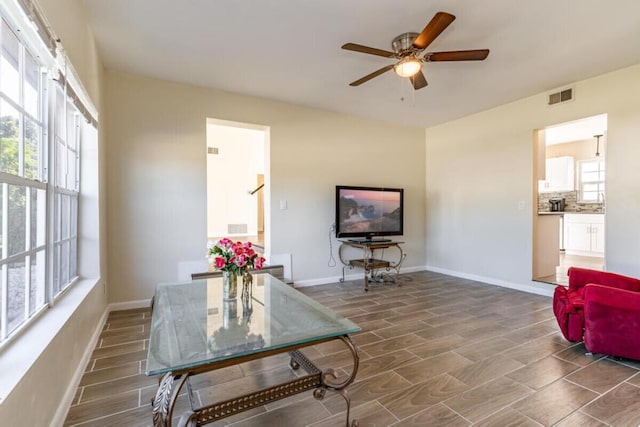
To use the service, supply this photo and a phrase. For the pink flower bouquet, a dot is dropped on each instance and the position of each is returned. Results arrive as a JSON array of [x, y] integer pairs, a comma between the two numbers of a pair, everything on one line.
[[234, 257]]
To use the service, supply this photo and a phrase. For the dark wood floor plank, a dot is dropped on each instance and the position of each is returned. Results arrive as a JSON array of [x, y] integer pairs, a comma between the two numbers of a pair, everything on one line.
[[601, 375], [618, 407], [434, 416], [120, 385], [484, 400], [508, 417], [103, 407], [545, 407], [415, 398], [120, 359], [103, 375]]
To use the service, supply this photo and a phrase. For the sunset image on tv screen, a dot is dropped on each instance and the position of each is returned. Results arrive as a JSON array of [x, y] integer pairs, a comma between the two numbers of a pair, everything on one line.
[[368, 211]]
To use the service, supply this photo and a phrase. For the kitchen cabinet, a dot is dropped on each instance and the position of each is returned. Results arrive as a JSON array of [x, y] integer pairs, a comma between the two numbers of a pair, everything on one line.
[[584, 234], [559, 175]]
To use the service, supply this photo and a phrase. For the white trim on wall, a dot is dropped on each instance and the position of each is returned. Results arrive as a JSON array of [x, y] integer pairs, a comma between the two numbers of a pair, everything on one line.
[[537, 288], [357, 275], [129, 305]]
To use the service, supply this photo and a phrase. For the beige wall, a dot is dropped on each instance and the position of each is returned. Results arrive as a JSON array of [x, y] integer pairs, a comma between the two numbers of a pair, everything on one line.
[[579, 150], [480, 167], [157, 173], [68, 19]]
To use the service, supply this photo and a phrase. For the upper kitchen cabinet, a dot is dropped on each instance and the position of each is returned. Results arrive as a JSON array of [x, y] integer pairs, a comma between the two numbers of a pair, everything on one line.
[[559, 175]]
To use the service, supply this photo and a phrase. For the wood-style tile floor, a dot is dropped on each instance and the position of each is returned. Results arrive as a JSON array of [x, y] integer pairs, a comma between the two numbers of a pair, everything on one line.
[[436, 350]]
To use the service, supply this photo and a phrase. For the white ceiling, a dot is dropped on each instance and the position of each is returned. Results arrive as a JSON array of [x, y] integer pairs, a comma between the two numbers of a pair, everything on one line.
[[578, 130], [289, 50]]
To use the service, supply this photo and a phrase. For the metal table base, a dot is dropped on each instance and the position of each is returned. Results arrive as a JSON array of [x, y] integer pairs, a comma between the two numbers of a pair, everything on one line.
[[320, 381]]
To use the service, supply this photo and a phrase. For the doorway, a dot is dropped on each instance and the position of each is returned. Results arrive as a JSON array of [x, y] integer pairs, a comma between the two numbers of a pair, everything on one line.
[[238, 182], [569, 198]]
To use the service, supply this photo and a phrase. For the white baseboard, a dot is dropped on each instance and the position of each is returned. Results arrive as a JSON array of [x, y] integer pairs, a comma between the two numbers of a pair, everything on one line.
[[537, 288], [61, 414], [129, 305], [356, 275], [321, 281]]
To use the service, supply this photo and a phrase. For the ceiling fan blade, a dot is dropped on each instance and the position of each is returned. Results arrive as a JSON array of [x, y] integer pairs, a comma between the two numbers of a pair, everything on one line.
[[457, 55], [438, 23], [366, 49], [372, 75], [418, 81]]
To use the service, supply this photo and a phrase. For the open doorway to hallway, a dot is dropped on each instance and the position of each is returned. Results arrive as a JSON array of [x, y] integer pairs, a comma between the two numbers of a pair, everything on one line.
[[238, 182], [569, 198]]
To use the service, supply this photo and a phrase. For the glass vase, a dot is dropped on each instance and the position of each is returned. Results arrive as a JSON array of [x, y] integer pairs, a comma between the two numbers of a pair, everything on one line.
[[229, 285], [247, 279], [247, 293]]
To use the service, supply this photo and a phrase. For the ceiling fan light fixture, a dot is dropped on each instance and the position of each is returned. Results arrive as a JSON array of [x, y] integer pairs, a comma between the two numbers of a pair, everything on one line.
[[408, 67], [409, 51]]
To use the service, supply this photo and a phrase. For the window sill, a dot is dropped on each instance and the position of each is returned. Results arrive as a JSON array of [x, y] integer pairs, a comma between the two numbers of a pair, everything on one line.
[[18, 357]]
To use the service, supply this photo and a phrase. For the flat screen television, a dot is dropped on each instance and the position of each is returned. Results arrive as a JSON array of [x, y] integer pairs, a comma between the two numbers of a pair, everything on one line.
[[363, 213]]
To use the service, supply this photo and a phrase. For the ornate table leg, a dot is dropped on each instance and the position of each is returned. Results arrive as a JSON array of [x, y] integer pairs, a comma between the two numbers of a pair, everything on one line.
[[165, 399], [329, 375]]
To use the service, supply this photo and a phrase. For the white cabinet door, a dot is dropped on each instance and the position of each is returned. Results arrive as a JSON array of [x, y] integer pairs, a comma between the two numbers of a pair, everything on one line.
[[584, 234], [597, 238], [559, 175], [577, 237]]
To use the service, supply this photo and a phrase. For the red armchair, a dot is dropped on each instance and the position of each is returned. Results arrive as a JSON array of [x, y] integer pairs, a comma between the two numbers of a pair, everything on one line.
[[603, 309]]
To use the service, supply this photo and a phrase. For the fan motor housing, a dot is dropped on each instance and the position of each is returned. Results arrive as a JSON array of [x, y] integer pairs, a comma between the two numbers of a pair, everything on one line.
[[403, 44]]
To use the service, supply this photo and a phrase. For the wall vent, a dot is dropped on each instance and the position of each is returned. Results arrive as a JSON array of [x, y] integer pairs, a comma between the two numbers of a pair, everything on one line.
[[212, 150], [237, 228], [564, 95]]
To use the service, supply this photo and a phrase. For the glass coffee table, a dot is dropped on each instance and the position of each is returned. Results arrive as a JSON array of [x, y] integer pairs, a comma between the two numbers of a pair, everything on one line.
[[197, 327]]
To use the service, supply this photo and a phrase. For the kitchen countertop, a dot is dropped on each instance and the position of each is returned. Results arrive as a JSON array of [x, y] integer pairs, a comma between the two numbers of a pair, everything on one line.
[[570, 212]]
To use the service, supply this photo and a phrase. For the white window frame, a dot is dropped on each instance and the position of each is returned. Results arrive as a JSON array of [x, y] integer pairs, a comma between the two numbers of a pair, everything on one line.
[[69, 143], [29, 185], [600, 182]]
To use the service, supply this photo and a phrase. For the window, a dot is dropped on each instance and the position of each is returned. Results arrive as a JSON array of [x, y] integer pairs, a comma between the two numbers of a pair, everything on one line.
[[38, 198], [591, 177], [65, 215], [23, 191]]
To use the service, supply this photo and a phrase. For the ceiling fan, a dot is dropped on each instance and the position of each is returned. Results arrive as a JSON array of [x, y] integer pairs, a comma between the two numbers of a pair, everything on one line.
[[409, 50]]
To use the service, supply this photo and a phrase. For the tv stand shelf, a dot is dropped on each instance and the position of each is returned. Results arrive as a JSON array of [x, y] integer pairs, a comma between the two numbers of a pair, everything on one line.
[[368, 262]]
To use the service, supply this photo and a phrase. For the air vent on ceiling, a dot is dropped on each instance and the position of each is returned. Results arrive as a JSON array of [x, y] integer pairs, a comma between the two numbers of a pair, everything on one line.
[[563, 95], [212, 150]]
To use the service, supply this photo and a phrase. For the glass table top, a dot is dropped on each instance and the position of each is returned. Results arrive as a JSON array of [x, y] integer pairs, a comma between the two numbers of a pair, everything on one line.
[[195, 323]]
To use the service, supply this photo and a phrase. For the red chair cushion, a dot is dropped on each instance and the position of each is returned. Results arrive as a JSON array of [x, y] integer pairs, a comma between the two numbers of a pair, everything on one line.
[[567, 307], [612, 321], [579, 277]]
